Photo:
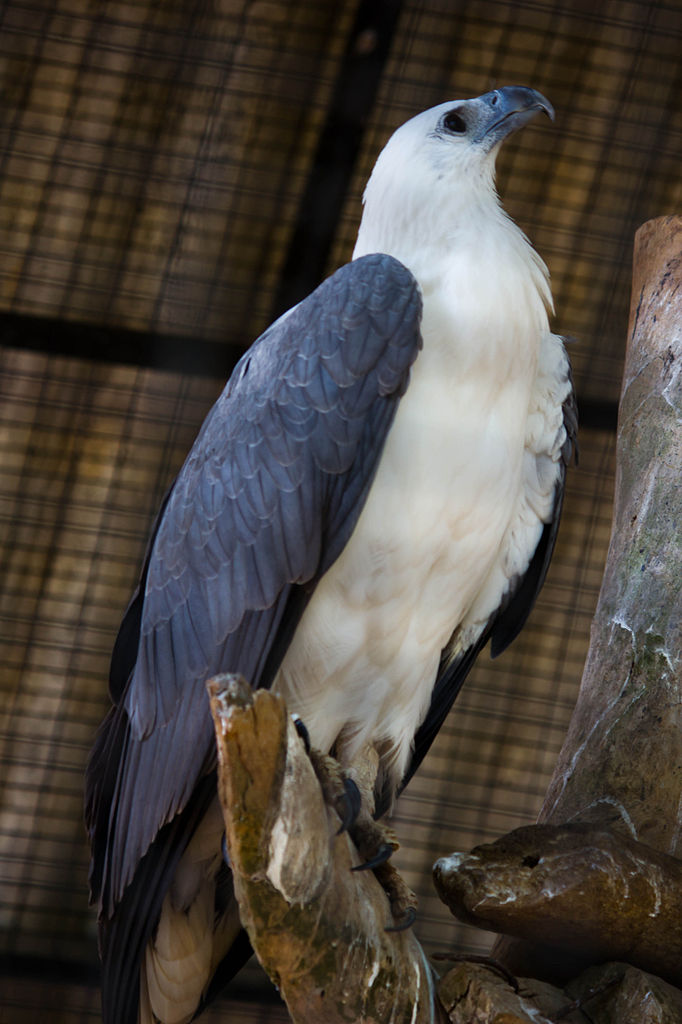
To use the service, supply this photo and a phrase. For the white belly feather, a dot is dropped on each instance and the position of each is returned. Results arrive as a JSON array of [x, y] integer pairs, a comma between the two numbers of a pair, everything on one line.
[[448, 493]]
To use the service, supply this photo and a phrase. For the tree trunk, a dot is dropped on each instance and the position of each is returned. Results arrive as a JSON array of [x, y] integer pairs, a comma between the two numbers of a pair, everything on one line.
[[611, 822], [623, 753]]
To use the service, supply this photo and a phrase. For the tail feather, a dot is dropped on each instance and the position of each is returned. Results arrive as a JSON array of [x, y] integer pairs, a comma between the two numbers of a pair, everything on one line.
[[125, 934]]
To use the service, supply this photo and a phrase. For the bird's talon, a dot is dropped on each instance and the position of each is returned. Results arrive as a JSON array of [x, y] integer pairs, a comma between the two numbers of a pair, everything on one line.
[[302, 731], [408, 918], [379, 858], [224, 850], [348, 805]]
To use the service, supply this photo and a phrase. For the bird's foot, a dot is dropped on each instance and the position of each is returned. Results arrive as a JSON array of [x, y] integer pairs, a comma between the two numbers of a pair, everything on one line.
[[338, 789], [402, 899], [374, 841]]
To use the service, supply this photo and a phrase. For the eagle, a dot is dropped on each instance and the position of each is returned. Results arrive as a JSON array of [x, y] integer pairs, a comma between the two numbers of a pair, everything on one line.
[[373, 498]]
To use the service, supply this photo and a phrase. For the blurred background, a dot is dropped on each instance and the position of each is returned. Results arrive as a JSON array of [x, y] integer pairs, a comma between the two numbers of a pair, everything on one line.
[[175, 173]]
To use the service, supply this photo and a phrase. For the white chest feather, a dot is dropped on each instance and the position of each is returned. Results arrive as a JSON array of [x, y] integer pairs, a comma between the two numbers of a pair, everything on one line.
[[431, 544]]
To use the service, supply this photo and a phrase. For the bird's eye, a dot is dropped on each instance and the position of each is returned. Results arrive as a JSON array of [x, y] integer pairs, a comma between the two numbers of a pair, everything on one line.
[[454, 122]]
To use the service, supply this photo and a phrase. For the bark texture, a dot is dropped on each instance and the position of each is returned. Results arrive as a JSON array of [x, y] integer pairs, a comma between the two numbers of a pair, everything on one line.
[[585, 894], [623, 752], [616, 792], [317, 927]]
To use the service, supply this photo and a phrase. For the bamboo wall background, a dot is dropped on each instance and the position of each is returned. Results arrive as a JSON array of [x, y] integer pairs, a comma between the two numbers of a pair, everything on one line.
[[171, 173]]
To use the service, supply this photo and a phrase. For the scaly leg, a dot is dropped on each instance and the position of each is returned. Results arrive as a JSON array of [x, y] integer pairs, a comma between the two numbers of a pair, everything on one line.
[[351, 793]]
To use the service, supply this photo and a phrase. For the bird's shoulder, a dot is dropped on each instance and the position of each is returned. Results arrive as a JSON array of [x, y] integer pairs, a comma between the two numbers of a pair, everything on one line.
[[264, 503], [311, 401]]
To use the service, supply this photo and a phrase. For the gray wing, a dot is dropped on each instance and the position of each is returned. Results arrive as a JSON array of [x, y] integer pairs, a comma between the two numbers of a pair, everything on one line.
[[263, 505]]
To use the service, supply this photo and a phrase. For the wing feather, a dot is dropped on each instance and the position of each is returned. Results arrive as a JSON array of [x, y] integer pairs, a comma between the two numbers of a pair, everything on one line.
[[264, 503]]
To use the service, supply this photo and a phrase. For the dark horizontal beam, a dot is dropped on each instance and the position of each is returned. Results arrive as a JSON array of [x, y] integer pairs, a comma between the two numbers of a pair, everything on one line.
[[597, 415], [171, 352], [152, 349], [50, 970]]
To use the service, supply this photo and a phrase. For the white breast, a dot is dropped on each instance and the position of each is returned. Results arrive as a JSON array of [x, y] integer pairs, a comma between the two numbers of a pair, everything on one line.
[[448, 489]]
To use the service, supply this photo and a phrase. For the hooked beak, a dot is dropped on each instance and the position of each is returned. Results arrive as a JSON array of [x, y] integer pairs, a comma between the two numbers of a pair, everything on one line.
[[506, 110]]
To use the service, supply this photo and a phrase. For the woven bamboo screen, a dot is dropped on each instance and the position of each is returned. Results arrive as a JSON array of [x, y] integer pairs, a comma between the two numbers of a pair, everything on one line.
[[173, 174]]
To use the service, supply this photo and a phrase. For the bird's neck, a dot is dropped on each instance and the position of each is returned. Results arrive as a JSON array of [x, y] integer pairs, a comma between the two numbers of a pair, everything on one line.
[[466, 240], [410, 216]]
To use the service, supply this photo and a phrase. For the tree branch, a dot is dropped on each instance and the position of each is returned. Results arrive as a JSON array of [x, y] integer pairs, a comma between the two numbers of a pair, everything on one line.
[[317, 928], [598, 894]]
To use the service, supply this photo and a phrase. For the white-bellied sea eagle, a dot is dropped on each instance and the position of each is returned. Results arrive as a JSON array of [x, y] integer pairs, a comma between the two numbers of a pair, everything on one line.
[[374, 496]]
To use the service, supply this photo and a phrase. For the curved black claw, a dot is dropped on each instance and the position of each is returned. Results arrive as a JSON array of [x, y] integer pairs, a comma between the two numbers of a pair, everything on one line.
[[348, 806], [224, 851], [302, 732], [380, 857], [407, 920]]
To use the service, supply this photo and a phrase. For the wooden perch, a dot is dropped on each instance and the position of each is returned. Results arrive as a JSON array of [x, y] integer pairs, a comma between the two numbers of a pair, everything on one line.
[[607, 883], [599, 894], [317, 927]]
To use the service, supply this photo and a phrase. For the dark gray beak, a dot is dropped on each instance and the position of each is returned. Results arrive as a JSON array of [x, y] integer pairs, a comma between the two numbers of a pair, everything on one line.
[[504, 111]]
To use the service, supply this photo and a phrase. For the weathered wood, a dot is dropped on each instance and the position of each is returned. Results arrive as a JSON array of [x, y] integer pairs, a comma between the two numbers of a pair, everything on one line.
[[617, 786], [595, 892], [623, 750], [614, 993], [475, 994], [636, 997], [317, 927]]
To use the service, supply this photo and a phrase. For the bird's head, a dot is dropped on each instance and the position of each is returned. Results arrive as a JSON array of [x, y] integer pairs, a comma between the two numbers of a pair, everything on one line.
[[440, 165]]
